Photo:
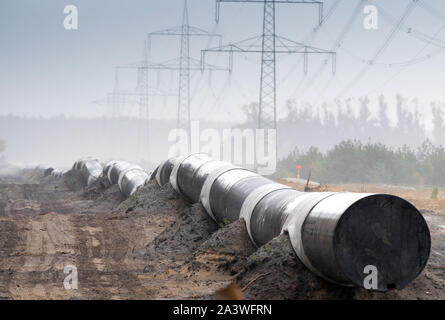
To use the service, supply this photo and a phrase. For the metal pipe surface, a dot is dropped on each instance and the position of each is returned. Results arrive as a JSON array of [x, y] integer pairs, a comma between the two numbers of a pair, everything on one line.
[[90, 170], [189, 174], [116, 169], [164, 170], [336, 235], [131, 179]]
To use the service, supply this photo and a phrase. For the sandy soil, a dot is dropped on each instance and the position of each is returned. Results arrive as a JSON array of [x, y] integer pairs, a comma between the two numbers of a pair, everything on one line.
[[156, 246]]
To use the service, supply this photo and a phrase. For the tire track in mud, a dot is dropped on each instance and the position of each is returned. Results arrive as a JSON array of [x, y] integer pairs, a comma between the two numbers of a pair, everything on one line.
[[9, 255], [43, 230], [109, 262], [35, 241], [48, 246]]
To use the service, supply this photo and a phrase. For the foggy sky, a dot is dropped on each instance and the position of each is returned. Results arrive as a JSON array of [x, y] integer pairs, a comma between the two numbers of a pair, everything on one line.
[[47, 70]]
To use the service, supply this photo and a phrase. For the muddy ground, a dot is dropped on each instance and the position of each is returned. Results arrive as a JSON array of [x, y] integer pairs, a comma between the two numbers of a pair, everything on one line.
[[156, 246]]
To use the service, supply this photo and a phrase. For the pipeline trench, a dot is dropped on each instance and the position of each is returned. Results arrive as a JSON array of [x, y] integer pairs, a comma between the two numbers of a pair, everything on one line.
[[150, 242]]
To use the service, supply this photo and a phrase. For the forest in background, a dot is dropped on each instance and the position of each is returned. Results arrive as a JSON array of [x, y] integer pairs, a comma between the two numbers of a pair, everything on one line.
[[393, 121], [356, 162], [391, 140], [362, 147]]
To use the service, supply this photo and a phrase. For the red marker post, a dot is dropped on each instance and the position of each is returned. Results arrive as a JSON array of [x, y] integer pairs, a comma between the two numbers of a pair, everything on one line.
[[298, 171]]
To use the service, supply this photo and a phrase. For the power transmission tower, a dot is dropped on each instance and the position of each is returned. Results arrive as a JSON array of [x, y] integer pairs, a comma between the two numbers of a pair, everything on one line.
[[142, 91], [138, 97], [144, 110], [115, 99], [271, 45], [186, 64]]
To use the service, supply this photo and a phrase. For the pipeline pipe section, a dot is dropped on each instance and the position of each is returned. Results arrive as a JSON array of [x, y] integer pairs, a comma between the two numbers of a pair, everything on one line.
[[107, 167], [164, 170], [129, 177], [89, 168], [189, 174], [338, 236], [56, 173]]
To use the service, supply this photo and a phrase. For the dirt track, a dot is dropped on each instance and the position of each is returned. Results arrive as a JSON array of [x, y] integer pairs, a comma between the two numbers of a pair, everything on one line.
[[154, 246], [45, 227]]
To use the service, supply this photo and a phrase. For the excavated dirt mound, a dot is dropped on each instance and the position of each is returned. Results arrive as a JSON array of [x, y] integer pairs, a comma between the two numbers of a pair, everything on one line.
[[275, 272], [13, 175], [177, 242], [224, 251], [151, 197], [102, 191], [72, 179]]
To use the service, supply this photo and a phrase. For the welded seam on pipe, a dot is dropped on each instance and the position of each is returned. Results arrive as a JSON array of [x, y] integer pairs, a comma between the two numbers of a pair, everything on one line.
[[158, 173], [176, 168], [295, 222], [253, 199], [89, 169], [205, 191], [111, 168], [129, 169]]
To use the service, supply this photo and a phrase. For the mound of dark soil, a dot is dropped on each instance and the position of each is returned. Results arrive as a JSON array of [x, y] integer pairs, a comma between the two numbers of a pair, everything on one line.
[[175, 245], [225, 251], [151, 197], [73, 180], [103, 190], [275, 272]]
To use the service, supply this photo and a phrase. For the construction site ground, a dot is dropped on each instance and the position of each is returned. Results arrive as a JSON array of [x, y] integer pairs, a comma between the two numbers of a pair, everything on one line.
[[154, 245]]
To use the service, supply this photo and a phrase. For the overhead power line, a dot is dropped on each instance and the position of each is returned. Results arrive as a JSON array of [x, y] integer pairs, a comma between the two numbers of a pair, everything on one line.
[[408, 10]]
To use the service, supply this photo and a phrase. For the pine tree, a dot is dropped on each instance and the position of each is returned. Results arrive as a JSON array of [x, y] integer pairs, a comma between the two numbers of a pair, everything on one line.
[[438, 122]]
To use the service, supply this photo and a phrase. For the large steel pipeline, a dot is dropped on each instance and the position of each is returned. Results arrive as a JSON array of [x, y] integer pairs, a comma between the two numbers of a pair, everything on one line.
[[115, 170], [56, 173], [190, 172], [89, 168], [336, 235], [107, 167], [164, 170], [129, 177]]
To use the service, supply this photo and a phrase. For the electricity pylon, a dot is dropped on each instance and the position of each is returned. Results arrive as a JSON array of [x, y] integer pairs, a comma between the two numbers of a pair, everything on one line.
[[135, 97], [271, 45], [186, 64], [142, 91]]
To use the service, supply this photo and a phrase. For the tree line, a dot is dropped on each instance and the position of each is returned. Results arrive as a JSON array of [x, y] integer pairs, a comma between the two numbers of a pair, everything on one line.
[[352, 161], [394, 121], [400, 142]]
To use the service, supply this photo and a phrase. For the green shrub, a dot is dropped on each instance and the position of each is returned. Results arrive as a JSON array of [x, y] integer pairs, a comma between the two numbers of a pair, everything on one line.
[[354, 162]]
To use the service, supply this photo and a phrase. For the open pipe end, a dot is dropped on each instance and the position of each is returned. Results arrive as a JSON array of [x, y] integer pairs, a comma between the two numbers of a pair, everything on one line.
[[384, 238]]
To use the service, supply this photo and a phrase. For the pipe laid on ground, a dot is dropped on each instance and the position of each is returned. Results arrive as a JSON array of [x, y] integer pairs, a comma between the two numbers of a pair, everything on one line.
[[336, 235], [108, 165], [152, 175], [164, 170], [48, 172], [131, 179], [56, 173], [89, 168], [116, 169], [189, 174]]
